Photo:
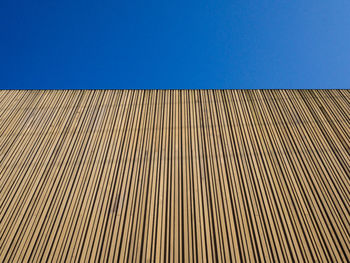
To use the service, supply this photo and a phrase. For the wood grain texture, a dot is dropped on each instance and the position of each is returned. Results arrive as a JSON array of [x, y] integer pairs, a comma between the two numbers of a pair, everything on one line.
[[170, 176]]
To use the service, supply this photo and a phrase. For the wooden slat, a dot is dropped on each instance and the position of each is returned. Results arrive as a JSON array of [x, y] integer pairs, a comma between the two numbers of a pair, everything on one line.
[[154, 175]]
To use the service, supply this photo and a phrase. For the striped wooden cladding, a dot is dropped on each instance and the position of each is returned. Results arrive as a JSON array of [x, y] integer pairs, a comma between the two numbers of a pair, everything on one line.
[[175, 176]]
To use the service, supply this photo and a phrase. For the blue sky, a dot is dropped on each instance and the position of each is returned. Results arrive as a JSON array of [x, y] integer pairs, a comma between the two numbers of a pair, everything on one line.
[[248, 44]]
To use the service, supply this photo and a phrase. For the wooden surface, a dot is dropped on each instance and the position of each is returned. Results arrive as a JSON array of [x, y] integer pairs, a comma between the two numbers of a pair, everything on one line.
[[174, 176]]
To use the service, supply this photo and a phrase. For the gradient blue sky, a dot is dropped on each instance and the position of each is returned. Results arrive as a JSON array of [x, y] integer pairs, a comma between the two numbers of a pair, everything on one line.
[[248, 44]]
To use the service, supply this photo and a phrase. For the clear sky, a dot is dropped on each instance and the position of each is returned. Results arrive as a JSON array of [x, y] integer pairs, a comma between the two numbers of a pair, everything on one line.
[[193, 44]]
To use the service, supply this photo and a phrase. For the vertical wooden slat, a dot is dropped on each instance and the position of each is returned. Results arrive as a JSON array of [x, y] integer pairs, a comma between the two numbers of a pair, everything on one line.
[[176, 175]]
